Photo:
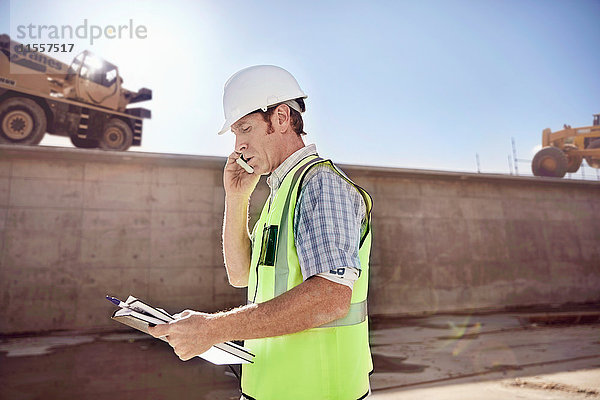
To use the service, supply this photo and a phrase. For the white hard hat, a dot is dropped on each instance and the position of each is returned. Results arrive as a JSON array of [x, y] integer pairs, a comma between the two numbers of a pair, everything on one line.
[[257, 87]]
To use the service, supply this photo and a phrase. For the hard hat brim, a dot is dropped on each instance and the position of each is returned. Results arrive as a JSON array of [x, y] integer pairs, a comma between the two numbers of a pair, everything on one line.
[[225, 128]]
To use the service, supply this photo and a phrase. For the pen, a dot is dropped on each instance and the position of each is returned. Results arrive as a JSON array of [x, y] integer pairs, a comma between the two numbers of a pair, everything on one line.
[[116, 301], [119, 303]]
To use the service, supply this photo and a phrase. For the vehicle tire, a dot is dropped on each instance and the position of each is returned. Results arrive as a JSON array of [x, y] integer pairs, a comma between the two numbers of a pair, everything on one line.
[[593, 162], [22, 121], [84, 143], [573, 161], [117, 136], [550, 161]]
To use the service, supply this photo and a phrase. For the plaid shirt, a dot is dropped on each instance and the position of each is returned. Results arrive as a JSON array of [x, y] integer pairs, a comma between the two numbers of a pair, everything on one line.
[[328, 220]]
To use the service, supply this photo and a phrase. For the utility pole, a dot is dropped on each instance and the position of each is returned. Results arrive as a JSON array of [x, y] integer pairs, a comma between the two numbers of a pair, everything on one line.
[[478, 166], [515, 159], [510, 166], [514, 149]]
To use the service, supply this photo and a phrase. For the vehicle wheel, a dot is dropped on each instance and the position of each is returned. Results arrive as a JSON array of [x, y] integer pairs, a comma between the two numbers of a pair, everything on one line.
[[117, 135], [84, 143], [550, 161], [22, 121], [593, 162], [573, 161]]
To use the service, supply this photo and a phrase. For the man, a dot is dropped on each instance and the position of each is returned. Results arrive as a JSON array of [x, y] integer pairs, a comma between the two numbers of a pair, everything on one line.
[[305, 263]]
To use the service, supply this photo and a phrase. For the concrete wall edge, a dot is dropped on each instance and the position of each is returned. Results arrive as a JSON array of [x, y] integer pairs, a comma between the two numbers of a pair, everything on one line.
[[188, 160]]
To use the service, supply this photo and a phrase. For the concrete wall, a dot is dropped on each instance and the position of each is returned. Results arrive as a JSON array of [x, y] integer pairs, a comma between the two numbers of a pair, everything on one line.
[[76, 225], [450, 241]]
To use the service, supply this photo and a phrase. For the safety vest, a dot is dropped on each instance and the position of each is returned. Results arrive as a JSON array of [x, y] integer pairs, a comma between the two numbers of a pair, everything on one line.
[[332, 361]]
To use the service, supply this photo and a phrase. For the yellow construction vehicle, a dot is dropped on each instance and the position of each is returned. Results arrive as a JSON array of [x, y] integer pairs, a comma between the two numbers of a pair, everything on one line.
[[85, 100], [563, 151]]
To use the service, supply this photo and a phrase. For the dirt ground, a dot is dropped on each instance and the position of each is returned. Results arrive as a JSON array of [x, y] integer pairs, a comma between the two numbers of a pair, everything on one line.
[[541, 355], [538, 355]]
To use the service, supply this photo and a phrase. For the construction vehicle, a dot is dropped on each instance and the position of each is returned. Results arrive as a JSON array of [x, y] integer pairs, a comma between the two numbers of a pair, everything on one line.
[[563, 151], [85, 101]]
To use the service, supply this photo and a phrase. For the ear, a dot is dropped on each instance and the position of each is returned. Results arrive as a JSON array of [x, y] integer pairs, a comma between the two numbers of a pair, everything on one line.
[[282, 117]]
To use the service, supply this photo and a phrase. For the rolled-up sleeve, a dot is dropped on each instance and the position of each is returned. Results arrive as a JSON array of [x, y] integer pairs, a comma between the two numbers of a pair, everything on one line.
[[327, 223]]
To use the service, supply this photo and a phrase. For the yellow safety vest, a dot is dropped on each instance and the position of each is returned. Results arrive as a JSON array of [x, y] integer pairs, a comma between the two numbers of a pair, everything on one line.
[[332, 361]]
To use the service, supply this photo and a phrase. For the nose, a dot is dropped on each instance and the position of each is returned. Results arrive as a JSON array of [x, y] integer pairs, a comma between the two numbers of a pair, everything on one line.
[[240, 144]]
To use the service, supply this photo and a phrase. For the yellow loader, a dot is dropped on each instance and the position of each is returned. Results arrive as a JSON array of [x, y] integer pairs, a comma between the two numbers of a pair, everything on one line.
[[564, 151]]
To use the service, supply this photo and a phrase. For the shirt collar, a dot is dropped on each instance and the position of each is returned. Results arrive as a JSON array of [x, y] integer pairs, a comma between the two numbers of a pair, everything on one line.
[[276, 177]]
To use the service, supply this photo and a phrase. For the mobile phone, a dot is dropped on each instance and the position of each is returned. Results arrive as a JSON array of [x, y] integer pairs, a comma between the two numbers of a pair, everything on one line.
[[242, 163]]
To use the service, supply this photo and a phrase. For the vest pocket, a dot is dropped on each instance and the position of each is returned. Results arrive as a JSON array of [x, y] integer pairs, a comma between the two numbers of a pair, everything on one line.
[[268, 246]]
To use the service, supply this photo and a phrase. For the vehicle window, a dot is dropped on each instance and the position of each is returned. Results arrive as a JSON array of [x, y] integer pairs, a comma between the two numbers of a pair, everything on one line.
[[98, 71], [74, 67], [110, 77], [91, 74]]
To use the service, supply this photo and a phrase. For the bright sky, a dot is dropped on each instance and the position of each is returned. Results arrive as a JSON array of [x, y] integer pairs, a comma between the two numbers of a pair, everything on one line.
[[415, 84]]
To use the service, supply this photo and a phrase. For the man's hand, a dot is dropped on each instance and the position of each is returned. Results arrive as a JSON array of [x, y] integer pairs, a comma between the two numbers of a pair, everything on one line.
[[189, 335], [238, 182]]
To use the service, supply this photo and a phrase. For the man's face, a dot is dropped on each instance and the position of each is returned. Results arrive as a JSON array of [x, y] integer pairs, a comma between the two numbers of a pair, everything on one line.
[[254, 141]]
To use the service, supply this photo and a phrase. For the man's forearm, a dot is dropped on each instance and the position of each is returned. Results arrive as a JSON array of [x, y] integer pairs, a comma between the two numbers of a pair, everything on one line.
[[236, 243], [315, 302]]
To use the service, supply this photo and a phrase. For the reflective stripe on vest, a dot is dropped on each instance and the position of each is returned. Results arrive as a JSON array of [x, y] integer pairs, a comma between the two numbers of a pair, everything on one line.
[[358, 311], [356, 314], [281, 264]]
